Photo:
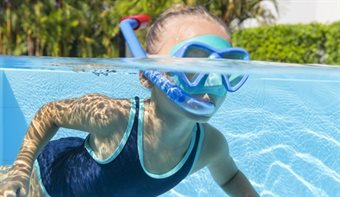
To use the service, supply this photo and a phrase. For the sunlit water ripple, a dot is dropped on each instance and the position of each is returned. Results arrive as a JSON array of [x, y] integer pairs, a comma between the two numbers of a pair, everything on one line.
[[284, 135]]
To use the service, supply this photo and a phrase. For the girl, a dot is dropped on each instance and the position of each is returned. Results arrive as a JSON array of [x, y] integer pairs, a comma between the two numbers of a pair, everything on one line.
[[135, 147]]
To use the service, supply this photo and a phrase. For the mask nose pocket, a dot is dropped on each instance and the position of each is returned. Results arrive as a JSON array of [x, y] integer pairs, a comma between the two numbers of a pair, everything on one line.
[[213, 79]]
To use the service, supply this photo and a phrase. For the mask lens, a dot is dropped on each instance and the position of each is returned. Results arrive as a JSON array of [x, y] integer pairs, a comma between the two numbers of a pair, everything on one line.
[[191, 76], [236, 80], [197, 51], [233, 55], [233, 82]]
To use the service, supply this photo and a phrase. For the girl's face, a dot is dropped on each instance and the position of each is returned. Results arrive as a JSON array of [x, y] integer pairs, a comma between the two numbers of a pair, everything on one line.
[[181, 29]]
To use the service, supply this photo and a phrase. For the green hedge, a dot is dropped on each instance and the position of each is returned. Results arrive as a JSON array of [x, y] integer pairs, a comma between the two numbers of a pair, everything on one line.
[[332, 44], [300, 43]]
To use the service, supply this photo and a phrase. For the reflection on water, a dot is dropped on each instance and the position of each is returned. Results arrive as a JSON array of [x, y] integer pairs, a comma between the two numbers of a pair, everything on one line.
[[108, 65]]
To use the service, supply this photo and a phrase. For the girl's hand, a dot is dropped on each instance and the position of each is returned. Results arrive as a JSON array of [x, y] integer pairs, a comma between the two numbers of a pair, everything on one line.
[[14, 185]]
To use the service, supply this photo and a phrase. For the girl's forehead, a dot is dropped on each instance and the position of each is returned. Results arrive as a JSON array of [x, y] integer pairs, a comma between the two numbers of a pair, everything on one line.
[[184, 28], [188, 27]]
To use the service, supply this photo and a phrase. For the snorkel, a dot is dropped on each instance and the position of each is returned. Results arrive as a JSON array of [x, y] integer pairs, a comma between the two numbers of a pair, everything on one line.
[[176, 94]]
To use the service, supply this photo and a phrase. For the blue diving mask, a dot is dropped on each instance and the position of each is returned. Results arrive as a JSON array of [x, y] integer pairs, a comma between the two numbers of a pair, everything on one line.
[[208, 83]]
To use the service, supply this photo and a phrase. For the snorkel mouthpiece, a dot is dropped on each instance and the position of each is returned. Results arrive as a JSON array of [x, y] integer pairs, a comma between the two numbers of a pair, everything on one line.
[[178, 96]]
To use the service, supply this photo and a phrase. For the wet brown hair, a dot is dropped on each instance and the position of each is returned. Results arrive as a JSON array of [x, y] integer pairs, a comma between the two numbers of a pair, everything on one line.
[[154, 34]]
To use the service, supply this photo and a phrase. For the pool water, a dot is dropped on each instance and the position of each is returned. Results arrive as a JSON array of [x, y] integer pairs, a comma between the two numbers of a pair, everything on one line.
[[283, 125]]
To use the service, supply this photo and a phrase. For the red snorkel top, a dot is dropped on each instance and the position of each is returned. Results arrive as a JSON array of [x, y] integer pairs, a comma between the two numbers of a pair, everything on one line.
[[141, 19]]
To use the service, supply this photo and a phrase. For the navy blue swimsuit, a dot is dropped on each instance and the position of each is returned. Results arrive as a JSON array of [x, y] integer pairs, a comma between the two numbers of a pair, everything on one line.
[[69, 167]]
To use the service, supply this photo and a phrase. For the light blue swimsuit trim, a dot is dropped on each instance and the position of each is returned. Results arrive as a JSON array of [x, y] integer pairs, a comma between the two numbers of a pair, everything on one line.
[[199, 147], [37, 170], [122, 142], [141, 153]]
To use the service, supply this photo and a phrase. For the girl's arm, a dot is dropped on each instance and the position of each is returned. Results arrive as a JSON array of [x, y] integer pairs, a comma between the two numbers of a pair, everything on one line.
[[239, 185], [92, 113], [223, 168]]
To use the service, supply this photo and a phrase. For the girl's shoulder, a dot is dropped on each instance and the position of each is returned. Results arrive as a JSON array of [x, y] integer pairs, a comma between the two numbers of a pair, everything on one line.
[[214, 139], [109, 112], [94, 113], [214, 144]]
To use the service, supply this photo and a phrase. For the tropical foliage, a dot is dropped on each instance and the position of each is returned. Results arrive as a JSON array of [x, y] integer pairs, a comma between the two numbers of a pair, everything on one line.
[[57, 28], [236, 12], [90, 28]]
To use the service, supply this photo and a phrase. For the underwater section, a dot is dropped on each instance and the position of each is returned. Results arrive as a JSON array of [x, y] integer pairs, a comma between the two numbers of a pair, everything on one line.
[[282, 126], [290, 135], [14, 124], [283, 132]]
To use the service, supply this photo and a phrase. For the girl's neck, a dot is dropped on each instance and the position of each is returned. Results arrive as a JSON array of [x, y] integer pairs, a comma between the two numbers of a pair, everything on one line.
[[164, 122]]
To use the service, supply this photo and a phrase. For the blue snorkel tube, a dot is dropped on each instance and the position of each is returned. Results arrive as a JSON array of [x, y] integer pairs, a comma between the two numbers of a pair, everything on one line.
[[174, 93]]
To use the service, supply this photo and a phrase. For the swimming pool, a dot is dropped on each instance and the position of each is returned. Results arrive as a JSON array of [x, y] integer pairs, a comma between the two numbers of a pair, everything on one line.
[[283, 126]]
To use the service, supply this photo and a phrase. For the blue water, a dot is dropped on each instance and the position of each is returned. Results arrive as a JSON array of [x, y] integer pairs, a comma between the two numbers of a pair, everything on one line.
[[283, 126]]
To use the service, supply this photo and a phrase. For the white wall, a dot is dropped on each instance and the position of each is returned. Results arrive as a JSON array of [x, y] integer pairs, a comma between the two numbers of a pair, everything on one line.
[[305, 11], [302, 11]]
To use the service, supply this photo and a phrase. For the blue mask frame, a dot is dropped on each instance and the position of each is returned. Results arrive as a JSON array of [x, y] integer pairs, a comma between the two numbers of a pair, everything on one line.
[[195, 48]]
